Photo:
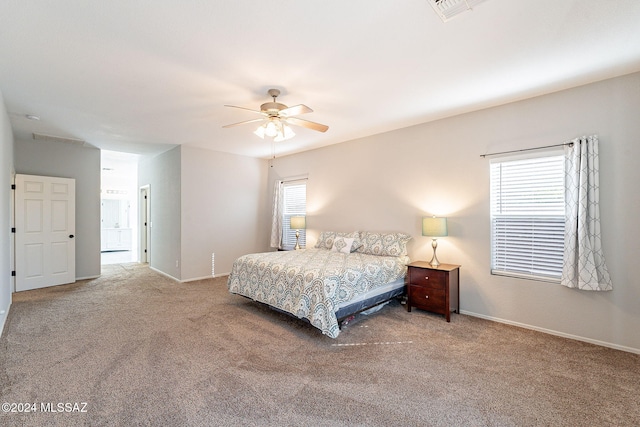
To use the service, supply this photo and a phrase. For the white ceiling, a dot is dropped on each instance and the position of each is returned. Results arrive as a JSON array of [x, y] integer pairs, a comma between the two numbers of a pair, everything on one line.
[[143, 75]]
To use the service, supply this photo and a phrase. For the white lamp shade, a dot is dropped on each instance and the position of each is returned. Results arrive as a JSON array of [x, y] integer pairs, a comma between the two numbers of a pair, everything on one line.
[[271, 129], [434, 227], [286, 133], [298, 222], [260, 132]]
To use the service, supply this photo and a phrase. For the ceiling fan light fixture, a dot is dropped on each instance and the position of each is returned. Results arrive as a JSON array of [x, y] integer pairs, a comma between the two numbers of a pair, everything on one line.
[[277, 117], [287, 133], [260, 131], [271, 129]]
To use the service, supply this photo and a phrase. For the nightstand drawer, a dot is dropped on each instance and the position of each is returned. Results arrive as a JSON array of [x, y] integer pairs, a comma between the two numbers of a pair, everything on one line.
[[428, 278], [427, 298]]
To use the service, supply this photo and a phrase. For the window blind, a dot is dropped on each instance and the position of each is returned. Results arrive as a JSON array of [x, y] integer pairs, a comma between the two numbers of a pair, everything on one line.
[[527, 217], [295, 203]]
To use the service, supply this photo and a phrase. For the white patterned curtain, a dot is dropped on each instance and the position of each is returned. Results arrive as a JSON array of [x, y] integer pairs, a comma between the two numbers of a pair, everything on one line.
[[584, 266], [276, 219]]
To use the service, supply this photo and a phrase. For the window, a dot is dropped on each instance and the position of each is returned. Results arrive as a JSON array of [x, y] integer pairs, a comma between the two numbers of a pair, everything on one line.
[[527, 217], [295, 203]]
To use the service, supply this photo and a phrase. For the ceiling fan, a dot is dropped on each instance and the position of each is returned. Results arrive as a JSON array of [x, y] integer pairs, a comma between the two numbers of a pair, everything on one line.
[[276, 117]]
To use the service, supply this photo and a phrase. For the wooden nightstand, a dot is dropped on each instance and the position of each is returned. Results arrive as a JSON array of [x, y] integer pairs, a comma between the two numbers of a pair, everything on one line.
[[434, 289]]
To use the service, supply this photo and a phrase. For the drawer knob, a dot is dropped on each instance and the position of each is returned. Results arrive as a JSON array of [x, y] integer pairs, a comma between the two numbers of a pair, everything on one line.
[[427, 297], [426, 278]]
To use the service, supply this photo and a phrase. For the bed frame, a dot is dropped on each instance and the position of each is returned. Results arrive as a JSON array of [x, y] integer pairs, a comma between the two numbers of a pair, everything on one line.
[[354, 308], [393, 290]]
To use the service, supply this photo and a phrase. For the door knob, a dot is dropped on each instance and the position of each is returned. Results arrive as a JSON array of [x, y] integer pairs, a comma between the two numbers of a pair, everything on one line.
[[71, 236]]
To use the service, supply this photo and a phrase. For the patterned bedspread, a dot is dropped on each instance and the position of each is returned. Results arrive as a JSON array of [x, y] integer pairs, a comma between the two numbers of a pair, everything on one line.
[[310, 283]]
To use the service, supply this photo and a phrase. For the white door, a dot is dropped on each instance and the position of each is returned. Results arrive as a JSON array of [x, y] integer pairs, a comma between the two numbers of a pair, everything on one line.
[[45, 231]]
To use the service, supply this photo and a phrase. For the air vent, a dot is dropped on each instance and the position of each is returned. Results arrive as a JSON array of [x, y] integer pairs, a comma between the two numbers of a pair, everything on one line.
[[447, 9], [50, 138]]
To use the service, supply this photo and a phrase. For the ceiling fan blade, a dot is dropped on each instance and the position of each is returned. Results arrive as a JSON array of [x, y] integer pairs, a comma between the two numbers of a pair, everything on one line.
[[244, 123], [295, 110], [307, 124], [248, 109]]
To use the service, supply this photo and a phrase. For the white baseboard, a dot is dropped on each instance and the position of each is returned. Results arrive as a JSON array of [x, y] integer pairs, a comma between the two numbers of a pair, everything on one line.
[[204, 277], [552, 332], [164, 274], [87, 277], [3, 321], [3, 317], [193, 279]]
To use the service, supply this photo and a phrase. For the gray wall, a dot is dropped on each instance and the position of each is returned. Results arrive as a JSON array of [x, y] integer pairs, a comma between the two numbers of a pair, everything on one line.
[[225, 210], [163, 175], [387, 182], [67, 160], [6, 237]]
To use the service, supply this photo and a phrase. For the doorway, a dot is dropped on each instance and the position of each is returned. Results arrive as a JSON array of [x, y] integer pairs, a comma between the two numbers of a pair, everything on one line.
[[145, 224], [119, 208]]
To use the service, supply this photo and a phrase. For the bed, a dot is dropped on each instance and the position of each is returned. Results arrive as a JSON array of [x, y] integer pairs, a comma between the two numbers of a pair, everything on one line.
[[343, 274]]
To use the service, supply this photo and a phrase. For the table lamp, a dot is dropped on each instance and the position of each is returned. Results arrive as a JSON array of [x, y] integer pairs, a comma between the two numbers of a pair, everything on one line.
[[298, 223], [434, 228]]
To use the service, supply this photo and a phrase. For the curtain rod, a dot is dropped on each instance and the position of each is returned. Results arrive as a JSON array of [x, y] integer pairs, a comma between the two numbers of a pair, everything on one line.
[[294, 178], [528, 149]]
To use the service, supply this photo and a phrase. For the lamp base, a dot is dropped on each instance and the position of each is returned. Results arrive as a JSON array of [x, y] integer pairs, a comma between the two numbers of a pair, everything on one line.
[[434, 260], [297, 246]]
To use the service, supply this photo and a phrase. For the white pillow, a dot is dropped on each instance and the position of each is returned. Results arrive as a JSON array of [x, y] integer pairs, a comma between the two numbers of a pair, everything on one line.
[[343, 244]]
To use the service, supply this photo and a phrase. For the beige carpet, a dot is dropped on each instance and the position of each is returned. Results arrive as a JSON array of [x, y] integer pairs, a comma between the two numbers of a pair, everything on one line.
[[140, 349]]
